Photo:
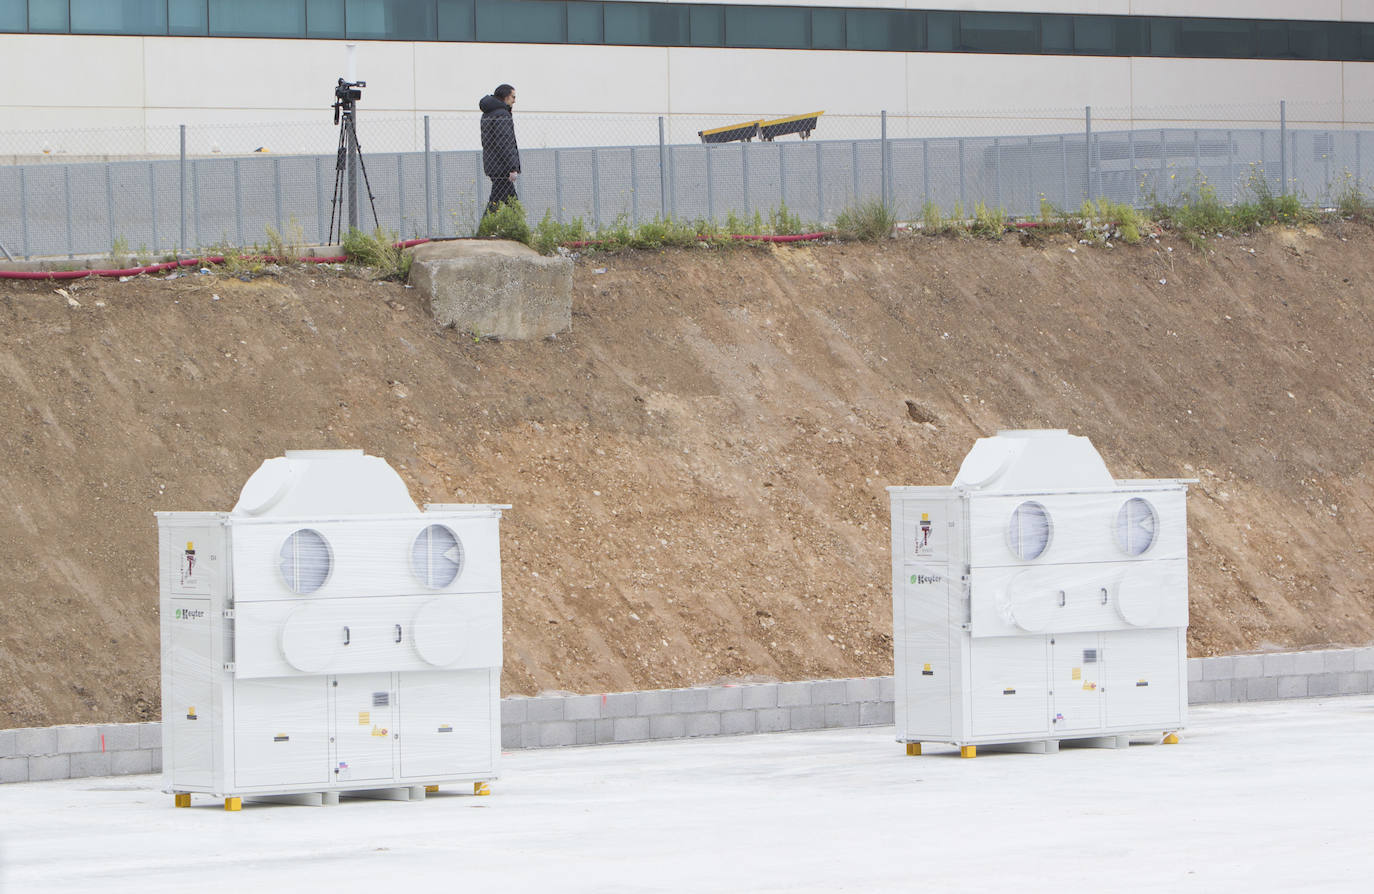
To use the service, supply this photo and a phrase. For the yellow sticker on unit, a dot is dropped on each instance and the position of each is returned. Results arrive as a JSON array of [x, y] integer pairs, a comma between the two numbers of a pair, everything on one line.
[[1078, 673], [379, 732], [364, 718], [1087, 685]]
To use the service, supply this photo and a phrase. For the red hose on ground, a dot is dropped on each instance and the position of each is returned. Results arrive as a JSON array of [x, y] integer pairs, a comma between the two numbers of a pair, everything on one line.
[[169, 265]]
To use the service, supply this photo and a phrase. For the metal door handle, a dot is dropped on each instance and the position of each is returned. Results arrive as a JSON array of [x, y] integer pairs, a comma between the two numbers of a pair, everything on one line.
[[347, 636], [398, 633], [1104, 595], [1061, 599]]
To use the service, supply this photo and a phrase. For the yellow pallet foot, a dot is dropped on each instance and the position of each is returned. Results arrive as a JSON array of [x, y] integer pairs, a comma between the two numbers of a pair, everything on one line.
[[233, 803], [1171, 739], [431, 789], [481, 788], [182, 799], [968, 750], [913, 749]]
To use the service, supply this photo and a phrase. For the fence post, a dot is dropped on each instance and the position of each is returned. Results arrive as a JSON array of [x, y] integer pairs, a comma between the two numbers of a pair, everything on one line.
[[400, 197], [1135, 182], [321, 235], [195, 197], [429, 196], [152, 199], [477, 185], [1164, 164], [1230, 167], [925, 171], [710, 191], [24, 211], [558, 185], [662, 171], [963, 196], [1358, 175], [672, 187], [1064, 172], [854, 167], [276, 195], [1283, 147], [109, 201], [884, 161], [744, 172], [782, 174], [1088, 152], [820, 185], [67, 189], [997, 168], [181, 213], [238, 205], [596, 190], [1197, 155], [634, 187]]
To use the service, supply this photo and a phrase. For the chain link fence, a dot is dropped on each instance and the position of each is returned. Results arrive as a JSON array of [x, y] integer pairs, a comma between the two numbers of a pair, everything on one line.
[[162, 189]]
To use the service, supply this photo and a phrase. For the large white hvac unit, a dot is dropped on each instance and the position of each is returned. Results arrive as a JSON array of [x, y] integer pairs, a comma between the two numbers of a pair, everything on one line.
[[1039, 600], [327, 635]]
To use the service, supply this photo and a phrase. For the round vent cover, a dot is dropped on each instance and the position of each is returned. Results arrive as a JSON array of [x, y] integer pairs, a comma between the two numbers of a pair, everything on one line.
[[436, 557], [1139, 599], [1136, 524], [310, 638], [439, 631], [305, 561], [1028, 532]]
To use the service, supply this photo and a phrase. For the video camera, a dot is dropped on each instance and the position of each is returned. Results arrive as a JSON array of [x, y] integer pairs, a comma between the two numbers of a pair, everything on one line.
[[346, 93]]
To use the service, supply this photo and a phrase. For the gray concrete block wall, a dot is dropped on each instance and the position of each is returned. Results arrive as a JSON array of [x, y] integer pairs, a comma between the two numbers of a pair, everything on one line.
[[63, 752]]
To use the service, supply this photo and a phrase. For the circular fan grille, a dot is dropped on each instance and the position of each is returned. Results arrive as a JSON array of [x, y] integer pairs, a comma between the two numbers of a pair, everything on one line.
[[305, 561], [436, 557], [1136, 525], [1028, 533]]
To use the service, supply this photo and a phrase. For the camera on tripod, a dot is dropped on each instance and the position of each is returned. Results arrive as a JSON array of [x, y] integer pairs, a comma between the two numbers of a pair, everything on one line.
[[346, 93]]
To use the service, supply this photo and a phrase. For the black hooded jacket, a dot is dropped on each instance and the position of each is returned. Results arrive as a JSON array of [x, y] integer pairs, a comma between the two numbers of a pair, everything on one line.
[[500, 154]]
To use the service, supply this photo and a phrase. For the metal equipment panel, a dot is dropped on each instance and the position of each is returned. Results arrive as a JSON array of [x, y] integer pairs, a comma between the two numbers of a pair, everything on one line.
[[365, 730], [1076, 681], [446, 723], [1010, 696], [188, 709], [281, 732], [1144, 687]]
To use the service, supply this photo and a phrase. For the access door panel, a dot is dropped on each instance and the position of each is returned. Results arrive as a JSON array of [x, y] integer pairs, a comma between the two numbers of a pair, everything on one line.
[[1144, 679], [927, 675], [1076, 682], [187, 709], [1010, 696], [447, 723], [281, 732], [364, 727]]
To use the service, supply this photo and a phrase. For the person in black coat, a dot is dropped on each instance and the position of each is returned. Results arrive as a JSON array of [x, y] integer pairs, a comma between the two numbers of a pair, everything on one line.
[[500, 154]]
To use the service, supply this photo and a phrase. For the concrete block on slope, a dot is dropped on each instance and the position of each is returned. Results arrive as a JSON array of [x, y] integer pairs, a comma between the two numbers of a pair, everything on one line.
[[494, 287]]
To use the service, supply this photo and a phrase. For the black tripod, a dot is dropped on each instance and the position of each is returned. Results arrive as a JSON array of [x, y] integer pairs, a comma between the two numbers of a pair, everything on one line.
[[349, 158]]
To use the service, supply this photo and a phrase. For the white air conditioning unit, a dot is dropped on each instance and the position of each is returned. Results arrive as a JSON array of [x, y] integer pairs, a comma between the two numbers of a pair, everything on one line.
[[328, 636], [1039, 600]]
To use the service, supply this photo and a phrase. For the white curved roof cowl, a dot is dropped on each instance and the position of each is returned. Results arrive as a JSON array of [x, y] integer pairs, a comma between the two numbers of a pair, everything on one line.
[[1033, 460], [324, 483]]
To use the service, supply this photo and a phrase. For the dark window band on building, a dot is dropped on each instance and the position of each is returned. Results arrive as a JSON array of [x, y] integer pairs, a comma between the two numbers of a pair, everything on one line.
[[614, 23]]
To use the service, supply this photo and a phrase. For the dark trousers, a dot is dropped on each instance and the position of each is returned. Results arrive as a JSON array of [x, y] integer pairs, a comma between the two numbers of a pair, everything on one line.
[[502, 191]]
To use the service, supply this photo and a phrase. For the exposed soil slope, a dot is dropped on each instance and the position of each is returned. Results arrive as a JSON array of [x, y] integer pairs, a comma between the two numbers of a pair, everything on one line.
[[698, 467]]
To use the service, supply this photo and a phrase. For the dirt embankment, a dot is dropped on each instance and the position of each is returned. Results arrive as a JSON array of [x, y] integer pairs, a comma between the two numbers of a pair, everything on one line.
[[698, 467]]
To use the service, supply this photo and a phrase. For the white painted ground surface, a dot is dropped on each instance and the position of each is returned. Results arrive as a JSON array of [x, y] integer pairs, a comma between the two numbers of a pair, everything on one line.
[[1260, 797]]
